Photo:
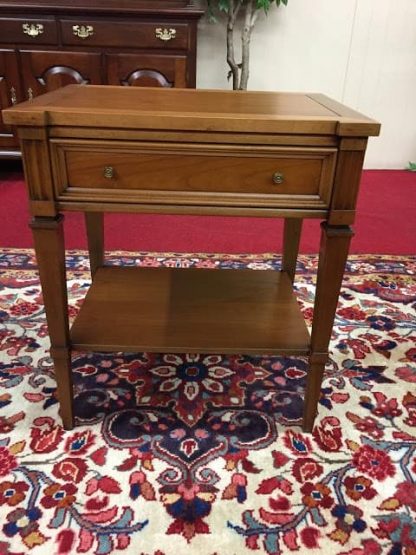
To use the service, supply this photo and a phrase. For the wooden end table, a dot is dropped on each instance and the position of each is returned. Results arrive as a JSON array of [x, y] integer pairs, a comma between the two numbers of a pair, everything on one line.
[[283, 155]]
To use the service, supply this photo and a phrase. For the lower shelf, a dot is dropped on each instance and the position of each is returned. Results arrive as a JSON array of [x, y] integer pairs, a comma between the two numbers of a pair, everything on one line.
[[190, 311]]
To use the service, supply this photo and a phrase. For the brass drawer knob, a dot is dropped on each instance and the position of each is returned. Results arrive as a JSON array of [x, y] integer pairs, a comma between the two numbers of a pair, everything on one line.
[[32, 29], [278, 178], [83, 31], [165, 34], [109, 172]]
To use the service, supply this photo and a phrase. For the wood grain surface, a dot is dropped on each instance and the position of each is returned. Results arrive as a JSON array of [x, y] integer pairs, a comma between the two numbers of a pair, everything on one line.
[[189, 109], [190, 310]]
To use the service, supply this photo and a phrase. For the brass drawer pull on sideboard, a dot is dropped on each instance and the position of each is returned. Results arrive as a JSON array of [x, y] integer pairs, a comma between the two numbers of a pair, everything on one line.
[[32, 29], [165, 34], [109, 172], [13, 96], [278, 178], [83, 31]]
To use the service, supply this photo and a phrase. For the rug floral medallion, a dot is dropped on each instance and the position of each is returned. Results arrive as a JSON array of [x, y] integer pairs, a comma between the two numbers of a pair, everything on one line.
[[203, 454]]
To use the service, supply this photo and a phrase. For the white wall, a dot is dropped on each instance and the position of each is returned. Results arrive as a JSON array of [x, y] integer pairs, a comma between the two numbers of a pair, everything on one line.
[[360, 52]]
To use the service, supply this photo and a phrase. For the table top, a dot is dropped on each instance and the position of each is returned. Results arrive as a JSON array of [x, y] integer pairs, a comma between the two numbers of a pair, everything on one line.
[[192, 110]]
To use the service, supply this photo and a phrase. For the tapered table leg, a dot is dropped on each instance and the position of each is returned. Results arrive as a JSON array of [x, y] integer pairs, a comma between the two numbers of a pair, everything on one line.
[[94, 222], [335, 242], [291, 238], [50, 254]]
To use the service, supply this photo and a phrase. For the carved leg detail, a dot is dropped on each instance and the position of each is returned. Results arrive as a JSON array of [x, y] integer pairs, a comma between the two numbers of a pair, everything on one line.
[[50, 254], [335, 241]]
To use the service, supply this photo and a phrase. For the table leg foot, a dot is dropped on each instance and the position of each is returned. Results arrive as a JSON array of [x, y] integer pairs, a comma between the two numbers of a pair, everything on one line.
[[67, 421], [312, 394], [63, 372]]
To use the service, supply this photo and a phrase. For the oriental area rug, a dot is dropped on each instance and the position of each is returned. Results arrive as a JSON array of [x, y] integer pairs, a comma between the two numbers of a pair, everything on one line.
[[203, 454]]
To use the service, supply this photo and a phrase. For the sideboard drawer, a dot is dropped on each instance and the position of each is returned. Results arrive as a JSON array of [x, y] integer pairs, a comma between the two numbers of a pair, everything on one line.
[[129, 34], [27, 30], [221, 176]]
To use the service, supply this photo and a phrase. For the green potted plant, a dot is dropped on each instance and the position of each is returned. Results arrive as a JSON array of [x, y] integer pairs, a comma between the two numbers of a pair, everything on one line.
[[249, 10]]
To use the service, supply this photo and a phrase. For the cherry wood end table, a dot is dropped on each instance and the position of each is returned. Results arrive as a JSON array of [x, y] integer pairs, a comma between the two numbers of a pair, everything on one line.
[[102, 149]]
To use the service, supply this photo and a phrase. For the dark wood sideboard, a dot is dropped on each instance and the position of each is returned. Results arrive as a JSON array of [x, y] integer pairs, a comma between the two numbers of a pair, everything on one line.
[[47, 44]]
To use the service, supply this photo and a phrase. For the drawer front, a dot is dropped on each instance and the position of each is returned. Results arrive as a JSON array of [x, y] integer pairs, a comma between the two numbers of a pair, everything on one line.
[[146, 70], [18, 30], [193, 175], [129, 34], [47, 70]]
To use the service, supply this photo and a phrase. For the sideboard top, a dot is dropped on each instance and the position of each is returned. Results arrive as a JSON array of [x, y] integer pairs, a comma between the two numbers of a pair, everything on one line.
[[151, 7], [191, 110]]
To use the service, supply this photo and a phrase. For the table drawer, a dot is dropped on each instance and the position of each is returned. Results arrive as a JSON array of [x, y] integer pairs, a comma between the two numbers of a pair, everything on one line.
[[195, 174], [129, 34], [19, 30]]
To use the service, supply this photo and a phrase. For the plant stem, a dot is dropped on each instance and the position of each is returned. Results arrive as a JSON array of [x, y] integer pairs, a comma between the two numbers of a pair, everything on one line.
[[232, 16], [249, 22]]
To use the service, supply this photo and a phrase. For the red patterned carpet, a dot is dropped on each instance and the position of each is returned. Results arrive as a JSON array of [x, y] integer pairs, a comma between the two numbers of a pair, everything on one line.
[[139, 476]]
